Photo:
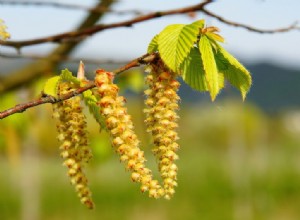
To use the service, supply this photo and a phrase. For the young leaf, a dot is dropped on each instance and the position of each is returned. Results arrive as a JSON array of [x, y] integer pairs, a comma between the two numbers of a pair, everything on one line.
[[66, 75], [199, 23], [176, 41], [153, 47], [193, 72], [51, 86], [91, 101], [210, 66], [234, 72], [215, 37]]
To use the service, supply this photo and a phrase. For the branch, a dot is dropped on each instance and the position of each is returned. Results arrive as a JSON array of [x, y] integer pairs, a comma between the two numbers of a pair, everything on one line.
[[70, 6], [31, 71], [48, 99], [253, 29], [61, 58], [76, 35], [145, 59]]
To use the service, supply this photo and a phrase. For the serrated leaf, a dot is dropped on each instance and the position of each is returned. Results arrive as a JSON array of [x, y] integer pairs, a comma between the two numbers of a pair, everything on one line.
[[193, 72], [153, 46], [235, 72], [66, 75], [51, 86], [176, 41], [210, 66], [221, 79], [91, 102], [199, 23]]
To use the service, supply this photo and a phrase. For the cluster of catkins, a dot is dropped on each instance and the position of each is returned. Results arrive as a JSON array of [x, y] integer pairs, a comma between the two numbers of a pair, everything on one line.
[[161, 121]]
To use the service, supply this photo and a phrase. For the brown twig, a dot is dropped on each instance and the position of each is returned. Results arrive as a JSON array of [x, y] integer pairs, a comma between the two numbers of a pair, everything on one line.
[[72, 7], [253, 29], [147, 58], [31, 71], [61, 58], [75, 35], [47, 99]]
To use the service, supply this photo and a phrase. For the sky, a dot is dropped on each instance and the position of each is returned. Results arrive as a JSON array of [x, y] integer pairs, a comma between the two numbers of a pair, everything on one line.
[[27, 22]]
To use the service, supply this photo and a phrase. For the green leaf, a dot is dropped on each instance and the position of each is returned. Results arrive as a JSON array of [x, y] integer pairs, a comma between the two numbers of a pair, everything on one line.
[[235, 72], [176, 41], [153, 46], [91, 102], [66, 75], [51, 86], [210, 66], [199, 24], [193, 72]]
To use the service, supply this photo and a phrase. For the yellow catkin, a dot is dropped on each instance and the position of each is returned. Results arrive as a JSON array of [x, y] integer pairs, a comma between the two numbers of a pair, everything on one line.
[[123, 138], [161, 120], [74, 147]]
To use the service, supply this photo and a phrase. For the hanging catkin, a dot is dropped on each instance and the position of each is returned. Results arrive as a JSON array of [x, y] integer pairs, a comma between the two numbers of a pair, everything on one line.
[[161, 120], [74, 147]]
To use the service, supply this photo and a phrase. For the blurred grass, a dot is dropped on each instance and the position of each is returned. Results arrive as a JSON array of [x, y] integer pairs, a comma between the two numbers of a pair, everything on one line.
[[235, 163]]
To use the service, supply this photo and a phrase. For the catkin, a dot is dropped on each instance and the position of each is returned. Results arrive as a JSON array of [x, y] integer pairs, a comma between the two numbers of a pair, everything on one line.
[[74, 147], [161, 121], [123, 138]]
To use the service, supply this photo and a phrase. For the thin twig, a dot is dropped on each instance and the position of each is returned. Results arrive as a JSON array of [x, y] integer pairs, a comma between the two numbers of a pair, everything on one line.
[[72, 7], [61, 58], [29, 72], [78, 35], [253, 29], [147, 58]]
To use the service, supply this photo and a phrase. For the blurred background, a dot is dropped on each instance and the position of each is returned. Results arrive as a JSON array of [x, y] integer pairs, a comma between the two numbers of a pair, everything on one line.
[[238, 160]]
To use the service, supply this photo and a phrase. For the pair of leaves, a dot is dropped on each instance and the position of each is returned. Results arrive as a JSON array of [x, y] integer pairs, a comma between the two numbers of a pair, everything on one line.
[[51, 86], [194, 52]]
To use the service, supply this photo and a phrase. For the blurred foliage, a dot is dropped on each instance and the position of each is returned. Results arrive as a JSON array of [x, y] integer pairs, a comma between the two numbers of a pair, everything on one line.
[[131, 80], [236, 163]]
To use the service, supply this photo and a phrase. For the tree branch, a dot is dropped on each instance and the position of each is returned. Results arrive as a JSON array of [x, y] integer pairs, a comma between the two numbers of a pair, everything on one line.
[[76, 35], [145, 59], [71, 6], [80, 34], [253, 29], [47, 64], [62, 58]]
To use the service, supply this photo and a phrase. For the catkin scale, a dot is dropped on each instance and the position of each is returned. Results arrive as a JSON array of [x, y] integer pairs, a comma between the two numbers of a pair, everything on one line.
[[120, 128], [161, 121]]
